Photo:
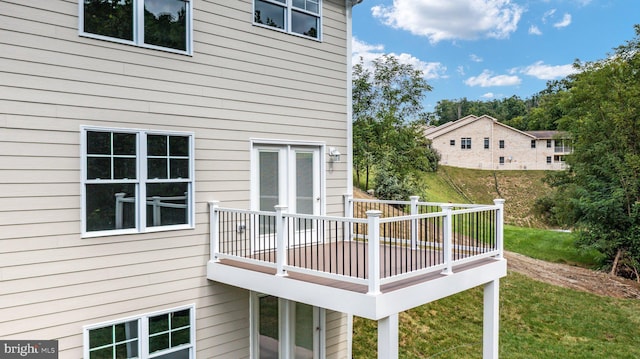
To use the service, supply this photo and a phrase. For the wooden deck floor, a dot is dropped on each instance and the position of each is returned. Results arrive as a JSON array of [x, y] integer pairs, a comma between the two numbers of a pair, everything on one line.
[[351, 259]]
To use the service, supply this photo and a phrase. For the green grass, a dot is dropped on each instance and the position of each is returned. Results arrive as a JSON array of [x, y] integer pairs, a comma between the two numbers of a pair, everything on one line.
[[537, 321], [550, 246]]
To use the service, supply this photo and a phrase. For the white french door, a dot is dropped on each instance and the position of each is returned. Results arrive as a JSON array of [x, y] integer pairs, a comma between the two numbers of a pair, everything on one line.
[[285, 175]]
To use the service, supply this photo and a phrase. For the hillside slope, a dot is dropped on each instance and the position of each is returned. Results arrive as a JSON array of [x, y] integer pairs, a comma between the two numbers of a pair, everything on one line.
[[520, 189]]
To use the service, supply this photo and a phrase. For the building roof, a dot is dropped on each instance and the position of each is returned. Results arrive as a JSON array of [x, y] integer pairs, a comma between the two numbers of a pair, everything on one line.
[[546, 135]]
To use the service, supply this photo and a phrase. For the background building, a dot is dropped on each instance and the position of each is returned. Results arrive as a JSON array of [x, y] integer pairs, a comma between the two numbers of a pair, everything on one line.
[[484, 143]]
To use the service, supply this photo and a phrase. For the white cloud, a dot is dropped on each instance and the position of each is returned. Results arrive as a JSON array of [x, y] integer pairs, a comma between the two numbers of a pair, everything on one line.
[[368, 53], [534, 30], [449, 20], [475, 58], [547, 15], [566, 21], [548, 72], [486, 79], [488, 95], [460, 70]]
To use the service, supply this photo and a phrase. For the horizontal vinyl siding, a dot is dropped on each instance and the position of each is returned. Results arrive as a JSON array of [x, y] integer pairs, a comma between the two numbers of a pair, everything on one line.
[[241, 82]]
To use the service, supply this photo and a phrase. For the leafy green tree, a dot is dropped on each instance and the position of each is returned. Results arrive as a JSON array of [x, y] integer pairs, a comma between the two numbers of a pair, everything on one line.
[[388, 117], [602, 112]]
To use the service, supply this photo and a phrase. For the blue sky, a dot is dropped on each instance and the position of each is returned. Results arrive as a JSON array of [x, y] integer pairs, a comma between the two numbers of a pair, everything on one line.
[[491, 49]]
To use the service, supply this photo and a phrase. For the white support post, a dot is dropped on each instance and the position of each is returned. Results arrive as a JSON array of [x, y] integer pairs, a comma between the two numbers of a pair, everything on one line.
[[214, 235], [491, 320], [447, 241], [347, 231], [388, 337], [374, 251], [414, 222], [499, 226], [281, 241]]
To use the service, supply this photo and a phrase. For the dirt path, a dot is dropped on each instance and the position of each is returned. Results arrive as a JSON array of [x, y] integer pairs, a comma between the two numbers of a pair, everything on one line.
[[573, 277]]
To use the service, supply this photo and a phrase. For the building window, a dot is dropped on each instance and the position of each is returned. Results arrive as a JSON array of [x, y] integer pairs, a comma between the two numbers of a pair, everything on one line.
[[501, 144], [168, 334], [161, 24], [548, 159], [501, 160], [280, 326], [548, 143], [301, 17], [452, 142], [134, 181], [486, 143], [465, 143], [533, 143]]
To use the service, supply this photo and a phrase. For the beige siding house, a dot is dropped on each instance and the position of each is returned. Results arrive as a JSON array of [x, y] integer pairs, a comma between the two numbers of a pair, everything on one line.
[[175, 182], [484, 143]]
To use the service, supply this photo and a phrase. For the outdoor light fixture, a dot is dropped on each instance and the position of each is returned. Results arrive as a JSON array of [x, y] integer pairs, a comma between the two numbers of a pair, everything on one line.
[[334, 154]]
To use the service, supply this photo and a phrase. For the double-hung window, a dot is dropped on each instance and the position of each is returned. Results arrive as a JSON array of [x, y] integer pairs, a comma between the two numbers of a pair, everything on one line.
[[302, 17], [161, 24], [163, 335], [465, 143], [136, 180]]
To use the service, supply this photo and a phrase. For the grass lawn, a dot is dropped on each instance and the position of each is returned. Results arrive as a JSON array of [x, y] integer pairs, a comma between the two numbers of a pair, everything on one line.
[[537, 321], [550, 246]]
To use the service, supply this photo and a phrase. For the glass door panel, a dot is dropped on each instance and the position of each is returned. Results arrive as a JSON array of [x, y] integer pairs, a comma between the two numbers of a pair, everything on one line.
[[268, 327]]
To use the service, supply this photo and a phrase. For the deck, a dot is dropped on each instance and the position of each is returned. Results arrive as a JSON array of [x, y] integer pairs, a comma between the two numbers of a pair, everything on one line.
[[369, 267]]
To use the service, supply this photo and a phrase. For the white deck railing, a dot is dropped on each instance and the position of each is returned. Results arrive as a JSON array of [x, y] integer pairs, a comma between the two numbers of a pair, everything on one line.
[[376, 243]]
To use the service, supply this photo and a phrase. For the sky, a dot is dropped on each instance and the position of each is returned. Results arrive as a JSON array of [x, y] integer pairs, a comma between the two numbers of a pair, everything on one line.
[[491, 49]]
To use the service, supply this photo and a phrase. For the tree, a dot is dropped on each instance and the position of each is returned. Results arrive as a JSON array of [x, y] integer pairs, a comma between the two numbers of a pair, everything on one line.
[[388, 117], [602, 113]]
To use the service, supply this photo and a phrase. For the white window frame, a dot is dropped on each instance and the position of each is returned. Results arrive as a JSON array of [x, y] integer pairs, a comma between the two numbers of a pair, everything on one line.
[[138, 29], [286, 315], [143, 332], [289, 8], [140, 182]]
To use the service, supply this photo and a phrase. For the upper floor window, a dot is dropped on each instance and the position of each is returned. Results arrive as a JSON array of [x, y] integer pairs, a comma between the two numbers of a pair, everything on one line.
[[161, 24], [135, 180], [465, 143], [549, 143], [533, 143], [501, 144], [452, 142], [486, 143], [156, 335], [300, 17]]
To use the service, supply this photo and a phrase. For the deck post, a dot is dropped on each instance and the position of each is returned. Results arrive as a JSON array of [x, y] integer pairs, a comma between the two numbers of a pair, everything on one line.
[[119, 209], [373, 232], [347, 230], [447, 241], [491, 320], [214, 234], [388, 337], [281, 241], [499, 226], [414, 222]]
